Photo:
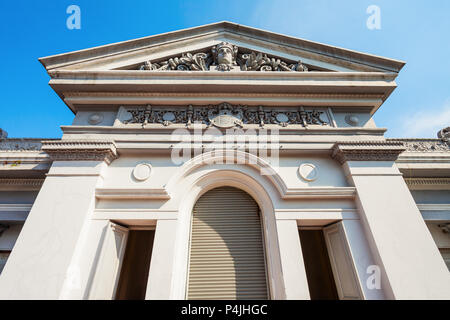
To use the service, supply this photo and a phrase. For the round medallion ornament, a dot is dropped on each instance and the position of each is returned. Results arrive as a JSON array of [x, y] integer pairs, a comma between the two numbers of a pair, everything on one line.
[[308, 172], [95, 118], [352, 120], [282, 118], [142, 171], [169, 116]]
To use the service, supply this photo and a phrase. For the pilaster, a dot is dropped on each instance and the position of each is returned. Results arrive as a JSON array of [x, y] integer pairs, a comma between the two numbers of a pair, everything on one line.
[[47, 251], [411, 266]]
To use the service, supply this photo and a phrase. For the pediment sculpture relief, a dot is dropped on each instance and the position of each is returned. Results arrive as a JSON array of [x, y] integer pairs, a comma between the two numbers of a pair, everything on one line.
[[224, 57]]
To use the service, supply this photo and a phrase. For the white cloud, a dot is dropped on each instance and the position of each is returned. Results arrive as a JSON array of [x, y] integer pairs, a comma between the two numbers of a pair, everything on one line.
[[426, 124]]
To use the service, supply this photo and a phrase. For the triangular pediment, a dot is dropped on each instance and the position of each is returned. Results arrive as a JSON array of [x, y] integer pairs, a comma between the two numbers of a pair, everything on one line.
[[193, 50]]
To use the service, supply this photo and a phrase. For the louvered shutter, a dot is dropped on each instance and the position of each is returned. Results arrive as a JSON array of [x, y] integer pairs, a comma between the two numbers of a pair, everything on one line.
[[226, 253]]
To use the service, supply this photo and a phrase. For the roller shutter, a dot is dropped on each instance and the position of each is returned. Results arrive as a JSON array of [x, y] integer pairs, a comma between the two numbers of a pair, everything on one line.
[[226, 250]]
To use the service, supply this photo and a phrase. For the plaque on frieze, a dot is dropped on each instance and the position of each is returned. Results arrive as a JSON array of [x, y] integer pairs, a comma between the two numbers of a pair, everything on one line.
[[225, 116]]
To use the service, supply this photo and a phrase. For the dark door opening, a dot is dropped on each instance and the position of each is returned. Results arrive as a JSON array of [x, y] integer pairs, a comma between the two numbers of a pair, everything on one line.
[[135, 267], [321, 282]]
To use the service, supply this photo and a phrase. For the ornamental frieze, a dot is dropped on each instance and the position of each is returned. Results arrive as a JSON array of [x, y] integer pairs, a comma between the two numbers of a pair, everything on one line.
[[17, 144], [425, 145], [223, 57], [224, 115]]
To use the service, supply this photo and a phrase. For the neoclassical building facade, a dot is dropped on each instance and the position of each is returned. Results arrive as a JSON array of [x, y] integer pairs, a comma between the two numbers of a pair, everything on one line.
[[224, 162]]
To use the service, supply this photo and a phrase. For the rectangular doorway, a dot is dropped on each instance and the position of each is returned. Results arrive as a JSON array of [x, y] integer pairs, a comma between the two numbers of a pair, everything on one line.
[[135, 266], [319, 273]]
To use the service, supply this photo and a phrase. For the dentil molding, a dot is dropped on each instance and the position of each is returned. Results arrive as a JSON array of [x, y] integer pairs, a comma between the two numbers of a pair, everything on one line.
[[435, 183], [20, 184]]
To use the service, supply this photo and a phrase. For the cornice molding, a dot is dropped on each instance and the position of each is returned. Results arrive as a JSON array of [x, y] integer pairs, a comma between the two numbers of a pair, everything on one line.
[[320, 193], [225, 31], [69, 94], [125, 75], [367, 151], [16, 207], [428, 183], [433, 206], [20, 184], [81, 150], [132, 193]]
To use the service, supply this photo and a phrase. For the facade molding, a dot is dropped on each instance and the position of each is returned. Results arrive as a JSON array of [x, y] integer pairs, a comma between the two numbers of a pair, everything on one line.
[[434, 206], [70, 94], [81, 150], [14, 213], [20, 184], [428, 183], [320, 193], [132, 193], [159, 128], [367, 151]]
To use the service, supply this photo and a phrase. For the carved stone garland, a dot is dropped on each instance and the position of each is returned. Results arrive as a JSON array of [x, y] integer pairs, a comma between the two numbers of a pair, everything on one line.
[[225, 115], [224, 57]]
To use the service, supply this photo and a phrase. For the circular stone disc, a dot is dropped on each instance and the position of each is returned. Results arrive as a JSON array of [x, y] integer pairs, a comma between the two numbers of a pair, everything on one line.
[[308, 172], [142, 171], [95, 118]]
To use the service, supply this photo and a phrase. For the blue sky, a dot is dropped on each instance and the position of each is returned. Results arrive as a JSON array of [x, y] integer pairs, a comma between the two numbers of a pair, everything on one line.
[[417, 32]]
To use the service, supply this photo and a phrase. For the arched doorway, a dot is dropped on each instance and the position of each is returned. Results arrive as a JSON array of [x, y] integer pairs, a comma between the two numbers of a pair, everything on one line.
[[226, 249]]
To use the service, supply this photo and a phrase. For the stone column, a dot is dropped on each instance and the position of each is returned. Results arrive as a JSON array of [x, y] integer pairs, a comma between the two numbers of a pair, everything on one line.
[[410, 263], [42, 262], [294, 273]]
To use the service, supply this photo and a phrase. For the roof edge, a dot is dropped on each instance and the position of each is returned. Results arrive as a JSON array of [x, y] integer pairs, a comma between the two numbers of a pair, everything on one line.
[[54, 61]]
